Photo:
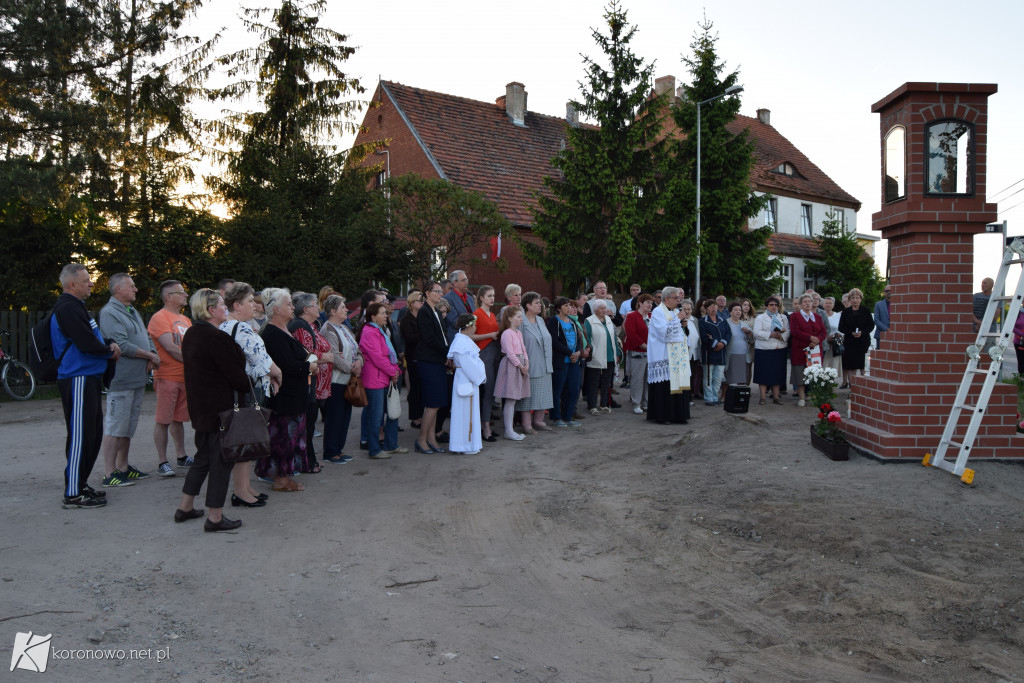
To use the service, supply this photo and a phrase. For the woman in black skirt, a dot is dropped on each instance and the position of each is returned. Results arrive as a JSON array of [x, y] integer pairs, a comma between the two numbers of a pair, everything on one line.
[[856, 325]]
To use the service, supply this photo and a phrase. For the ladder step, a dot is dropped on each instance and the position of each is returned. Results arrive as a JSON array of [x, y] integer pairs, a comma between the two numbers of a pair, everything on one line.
[[1002, 298], [953, 443], [979, 371], [965, 406]]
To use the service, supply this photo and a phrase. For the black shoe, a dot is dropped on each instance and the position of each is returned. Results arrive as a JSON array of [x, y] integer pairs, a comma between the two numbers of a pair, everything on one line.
[[182, 516], [615, 404], [442, 437], [90, 491], [262, 496], [182, 462], [238, 502], [224, 524], [490, 438], [83, 501], [364, 445]]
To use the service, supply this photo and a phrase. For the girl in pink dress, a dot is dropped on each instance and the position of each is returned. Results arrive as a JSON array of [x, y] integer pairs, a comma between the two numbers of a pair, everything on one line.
[[512, 383]]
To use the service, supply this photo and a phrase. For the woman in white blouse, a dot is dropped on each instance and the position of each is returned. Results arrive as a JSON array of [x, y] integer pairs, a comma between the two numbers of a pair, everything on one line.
[[266, 376], [771, 341]]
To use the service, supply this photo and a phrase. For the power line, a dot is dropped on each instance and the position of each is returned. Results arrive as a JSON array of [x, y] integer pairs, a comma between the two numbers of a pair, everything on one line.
[[1003, 211], [1007, 188]]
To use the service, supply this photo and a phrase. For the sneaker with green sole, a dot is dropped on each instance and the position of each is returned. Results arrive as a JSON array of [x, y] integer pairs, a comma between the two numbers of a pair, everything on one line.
[[116, 479]]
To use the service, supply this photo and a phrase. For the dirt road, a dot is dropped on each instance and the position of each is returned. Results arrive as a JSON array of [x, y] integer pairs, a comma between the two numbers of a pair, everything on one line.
[[623, 551]]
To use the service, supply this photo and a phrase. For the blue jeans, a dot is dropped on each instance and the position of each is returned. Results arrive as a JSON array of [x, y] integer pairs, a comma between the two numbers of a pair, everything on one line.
[[565, 384], [337, 417], [373, 416], [713, 376]]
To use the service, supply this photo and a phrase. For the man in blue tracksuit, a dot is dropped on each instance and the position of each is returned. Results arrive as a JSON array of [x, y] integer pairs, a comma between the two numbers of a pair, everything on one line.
[[80, 380]]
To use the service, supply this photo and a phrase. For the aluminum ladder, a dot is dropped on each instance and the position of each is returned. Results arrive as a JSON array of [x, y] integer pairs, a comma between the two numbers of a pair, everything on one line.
[[994, 345]]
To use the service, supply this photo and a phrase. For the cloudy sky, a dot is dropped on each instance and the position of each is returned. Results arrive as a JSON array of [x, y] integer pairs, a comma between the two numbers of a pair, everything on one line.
[[817, 66]]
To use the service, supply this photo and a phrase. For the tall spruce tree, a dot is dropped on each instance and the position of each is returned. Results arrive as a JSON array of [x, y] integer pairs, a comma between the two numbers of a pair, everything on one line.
[[596, 216], [294, 205], [734, 260], [844, 264]]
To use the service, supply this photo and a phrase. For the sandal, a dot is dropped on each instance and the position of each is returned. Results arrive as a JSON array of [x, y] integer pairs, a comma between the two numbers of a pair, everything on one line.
[[529, 431], [289, 486], [316, 469]]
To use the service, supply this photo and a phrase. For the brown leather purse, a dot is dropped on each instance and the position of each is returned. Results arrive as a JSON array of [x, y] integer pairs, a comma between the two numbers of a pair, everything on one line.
[[355, 393], [244, 431]]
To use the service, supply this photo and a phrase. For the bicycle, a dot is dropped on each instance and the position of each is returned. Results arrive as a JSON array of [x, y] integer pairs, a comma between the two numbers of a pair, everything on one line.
[[16, 377]]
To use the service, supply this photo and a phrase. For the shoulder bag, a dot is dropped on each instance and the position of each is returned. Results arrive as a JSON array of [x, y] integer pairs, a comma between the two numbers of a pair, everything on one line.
[[355, 394], [244, 431]]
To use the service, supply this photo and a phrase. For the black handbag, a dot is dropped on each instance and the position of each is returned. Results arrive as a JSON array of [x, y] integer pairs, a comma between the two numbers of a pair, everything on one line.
[[837, 345], [244, 431]]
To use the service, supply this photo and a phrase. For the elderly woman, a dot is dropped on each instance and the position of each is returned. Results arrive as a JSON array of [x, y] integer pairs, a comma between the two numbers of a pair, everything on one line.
[[635, 349], [408, 327], [304, 327], [538, 349], [567, 344], [807, 330], [486, 338], [241, 305], [668, 360], [856, 325], [604, 356], [831, 319], [214, 371], [288, 422], [380, 372], [346, 361], [771, 341], [513, 297], [431, 357], [736, 365], [469, 375]]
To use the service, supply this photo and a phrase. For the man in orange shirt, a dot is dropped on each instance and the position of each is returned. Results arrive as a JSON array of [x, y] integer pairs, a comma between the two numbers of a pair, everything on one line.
[[166, 328]]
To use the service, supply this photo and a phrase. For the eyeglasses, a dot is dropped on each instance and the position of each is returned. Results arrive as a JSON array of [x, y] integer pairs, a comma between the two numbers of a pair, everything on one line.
[[435, 291], [179, 292]]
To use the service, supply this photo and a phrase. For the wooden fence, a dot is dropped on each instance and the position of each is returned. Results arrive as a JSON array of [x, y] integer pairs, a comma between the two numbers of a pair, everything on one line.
[[19, 324]]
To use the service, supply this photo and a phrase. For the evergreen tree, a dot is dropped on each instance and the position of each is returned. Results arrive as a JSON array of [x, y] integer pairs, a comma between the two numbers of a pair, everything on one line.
[[596, 216], [844, 264], [294, 205], [734, 260]]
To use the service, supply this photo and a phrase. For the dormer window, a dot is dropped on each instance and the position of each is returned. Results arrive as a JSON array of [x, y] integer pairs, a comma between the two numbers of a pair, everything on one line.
[[785, 168]]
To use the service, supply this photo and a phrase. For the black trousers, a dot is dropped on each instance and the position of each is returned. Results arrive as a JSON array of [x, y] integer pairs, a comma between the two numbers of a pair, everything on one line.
[[599, 384], [82, 399], [208, 462]]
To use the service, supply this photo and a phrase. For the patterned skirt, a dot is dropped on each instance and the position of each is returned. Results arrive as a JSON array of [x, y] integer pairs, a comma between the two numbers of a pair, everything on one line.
[[541, 395], [287, 446]]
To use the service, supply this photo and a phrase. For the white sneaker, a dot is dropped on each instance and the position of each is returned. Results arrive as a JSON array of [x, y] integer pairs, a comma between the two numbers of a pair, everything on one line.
[[801, 403], [637, 410], [606, 410]]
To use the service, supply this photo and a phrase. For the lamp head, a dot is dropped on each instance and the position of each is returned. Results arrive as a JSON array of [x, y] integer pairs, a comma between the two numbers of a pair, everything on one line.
[[733, 89]]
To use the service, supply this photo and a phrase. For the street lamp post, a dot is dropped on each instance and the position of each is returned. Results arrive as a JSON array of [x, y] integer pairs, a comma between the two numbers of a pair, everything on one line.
[[731, 90]]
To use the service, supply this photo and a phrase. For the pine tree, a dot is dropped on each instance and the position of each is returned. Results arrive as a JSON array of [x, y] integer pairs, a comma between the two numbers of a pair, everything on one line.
[[596, 216], [734, 260], [293, 203], [844, 264]]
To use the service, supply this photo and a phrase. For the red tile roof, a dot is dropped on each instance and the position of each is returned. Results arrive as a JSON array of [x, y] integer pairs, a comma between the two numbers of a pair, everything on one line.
[[782, 244], [478, 147], [771, 148]]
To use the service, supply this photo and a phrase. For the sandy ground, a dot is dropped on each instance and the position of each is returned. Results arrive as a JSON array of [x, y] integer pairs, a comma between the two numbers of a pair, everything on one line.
[[725, 550]]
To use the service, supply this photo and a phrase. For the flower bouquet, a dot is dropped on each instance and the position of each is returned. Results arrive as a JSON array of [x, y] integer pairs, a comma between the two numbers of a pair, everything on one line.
[[820, 383]]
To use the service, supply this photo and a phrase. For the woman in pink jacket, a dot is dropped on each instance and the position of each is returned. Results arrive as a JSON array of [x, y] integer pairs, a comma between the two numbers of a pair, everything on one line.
[[1018, 341], [380, 370]]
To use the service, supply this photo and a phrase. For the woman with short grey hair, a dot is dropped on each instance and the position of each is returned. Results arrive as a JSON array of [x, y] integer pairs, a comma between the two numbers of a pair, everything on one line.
[[347, 361], [273, 298]]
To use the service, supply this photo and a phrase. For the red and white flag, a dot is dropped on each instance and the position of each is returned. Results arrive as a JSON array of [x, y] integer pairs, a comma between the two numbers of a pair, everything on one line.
[[495, 243]]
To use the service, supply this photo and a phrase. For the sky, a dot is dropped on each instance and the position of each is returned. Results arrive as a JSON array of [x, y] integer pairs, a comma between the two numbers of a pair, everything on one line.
[[817, 66]]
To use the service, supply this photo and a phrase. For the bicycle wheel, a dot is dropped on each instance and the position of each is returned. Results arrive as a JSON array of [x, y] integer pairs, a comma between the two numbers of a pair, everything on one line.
[[18, 380]]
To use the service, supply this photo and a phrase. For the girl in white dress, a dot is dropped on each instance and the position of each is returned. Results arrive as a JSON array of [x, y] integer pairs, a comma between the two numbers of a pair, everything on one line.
[[470, 373]]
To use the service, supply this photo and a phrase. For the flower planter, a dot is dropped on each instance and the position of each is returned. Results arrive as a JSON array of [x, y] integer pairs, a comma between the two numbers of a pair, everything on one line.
[[834, 451]]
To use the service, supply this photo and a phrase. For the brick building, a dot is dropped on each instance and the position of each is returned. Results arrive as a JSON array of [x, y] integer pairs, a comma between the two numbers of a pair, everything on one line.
[[504, 150]]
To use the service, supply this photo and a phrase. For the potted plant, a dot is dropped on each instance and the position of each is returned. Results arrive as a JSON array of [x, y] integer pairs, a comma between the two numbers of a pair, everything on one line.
[[826, 435]]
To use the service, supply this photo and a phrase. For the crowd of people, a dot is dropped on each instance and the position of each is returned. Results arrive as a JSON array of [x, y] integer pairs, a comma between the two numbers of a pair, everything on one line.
[[456, 357]]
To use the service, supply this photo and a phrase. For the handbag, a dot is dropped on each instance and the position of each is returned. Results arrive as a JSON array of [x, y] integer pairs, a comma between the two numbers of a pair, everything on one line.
[[244, 431], [394, 402], [836, 342], [355, 394]]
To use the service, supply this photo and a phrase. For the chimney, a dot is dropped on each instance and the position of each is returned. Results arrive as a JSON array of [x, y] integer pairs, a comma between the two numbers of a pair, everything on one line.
[[665, 84], [515, 103], [572, 117], [764, 116]]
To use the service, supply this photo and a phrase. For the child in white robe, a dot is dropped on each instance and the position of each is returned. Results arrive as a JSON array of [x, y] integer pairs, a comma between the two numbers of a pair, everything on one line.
[[470, 373]]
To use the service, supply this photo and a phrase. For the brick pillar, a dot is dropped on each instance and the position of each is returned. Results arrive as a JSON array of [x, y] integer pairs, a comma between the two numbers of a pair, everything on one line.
[[901, 410]]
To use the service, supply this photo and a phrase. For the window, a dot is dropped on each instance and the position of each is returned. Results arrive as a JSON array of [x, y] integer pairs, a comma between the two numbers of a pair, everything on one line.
[[895, 164], [950, 156], [805, 220], [809, 283], [787, 283], [839, 215], [771, 213], [785, 169]]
